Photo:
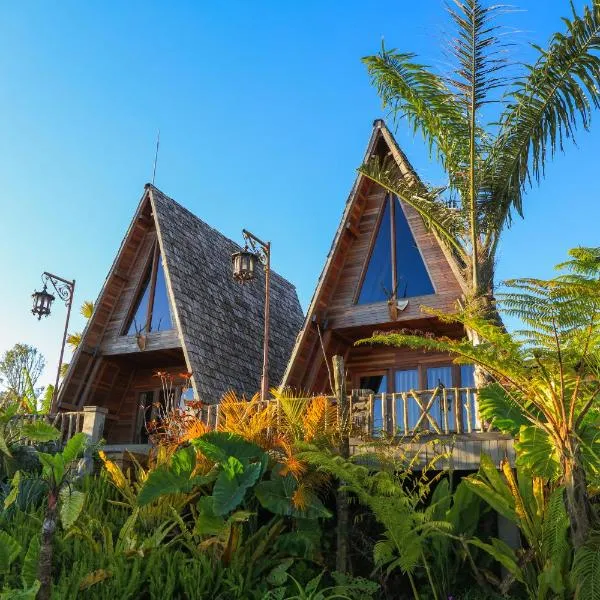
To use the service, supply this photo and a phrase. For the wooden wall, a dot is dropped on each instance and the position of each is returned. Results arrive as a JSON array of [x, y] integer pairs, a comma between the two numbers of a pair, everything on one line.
[[121, 422]]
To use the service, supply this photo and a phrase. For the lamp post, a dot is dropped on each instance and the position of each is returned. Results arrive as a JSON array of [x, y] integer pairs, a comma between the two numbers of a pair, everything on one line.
[[244, 270], [42, 301]]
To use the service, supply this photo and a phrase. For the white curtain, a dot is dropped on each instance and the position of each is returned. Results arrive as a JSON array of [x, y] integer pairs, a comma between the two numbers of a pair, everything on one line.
[[405, 381]]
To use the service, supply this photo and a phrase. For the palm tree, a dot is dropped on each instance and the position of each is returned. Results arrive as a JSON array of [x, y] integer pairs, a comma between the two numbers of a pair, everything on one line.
[[547, 376], [489, 166]]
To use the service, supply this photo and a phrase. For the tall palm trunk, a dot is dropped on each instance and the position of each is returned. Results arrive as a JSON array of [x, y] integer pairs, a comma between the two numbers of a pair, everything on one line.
[[45, 561], [577, 502]]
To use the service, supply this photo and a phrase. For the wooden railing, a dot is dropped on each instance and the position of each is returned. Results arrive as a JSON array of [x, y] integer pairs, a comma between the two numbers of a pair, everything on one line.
[[441, 411]]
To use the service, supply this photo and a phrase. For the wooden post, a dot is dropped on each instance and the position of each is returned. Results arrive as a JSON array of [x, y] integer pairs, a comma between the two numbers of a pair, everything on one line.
[[93, 422], [93, 427], [342, 562]]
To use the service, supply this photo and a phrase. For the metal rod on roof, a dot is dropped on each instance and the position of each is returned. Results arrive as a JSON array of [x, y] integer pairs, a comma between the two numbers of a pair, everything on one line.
[[155, 156]]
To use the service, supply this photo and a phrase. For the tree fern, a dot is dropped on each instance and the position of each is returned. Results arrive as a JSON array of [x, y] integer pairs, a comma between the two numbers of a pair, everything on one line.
[[586, 571]]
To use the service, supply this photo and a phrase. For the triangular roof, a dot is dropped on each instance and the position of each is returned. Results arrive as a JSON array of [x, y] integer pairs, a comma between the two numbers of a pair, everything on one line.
[[445, 276], [219, 323]]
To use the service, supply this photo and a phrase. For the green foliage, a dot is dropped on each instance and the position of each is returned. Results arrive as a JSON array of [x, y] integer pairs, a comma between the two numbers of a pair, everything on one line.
[[40, 431], [21, 367], [586, 570], [277, 496], [547, 375], [540, 515]]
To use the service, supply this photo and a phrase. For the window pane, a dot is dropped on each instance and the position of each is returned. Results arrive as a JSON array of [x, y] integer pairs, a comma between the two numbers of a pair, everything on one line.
[[467, 379], [161, 313], [138, 321], [405, 381], [412, 276], [467, 376], [377, 284]]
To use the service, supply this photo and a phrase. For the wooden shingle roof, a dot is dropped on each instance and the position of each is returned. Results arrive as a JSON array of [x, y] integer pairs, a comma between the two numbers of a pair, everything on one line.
[[221, 321]]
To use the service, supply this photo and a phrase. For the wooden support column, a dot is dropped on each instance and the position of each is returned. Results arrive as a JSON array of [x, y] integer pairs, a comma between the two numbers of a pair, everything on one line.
[[342, 563]]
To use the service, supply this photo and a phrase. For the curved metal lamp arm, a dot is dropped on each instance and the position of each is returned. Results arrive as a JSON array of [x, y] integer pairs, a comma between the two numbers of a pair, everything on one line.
[[262, 249], [63, 287]]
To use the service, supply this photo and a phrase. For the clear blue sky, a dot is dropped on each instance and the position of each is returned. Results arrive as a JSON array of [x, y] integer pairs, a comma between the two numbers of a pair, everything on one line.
[[264, 109]]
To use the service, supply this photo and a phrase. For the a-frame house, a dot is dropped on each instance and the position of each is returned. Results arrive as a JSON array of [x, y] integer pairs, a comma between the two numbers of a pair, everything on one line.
[[170, 304], [383, 266]]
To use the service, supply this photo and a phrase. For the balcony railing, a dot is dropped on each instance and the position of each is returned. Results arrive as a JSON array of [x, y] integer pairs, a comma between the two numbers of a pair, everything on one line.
[[441, 411]]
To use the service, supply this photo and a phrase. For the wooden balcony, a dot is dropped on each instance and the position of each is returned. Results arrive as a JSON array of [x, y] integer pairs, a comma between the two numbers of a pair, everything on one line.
[[421, 425]]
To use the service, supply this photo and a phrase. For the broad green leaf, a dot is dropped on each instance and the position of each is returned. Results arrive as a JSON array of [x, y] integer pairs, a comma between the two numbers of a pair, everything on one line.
[[159, 482], [74, 447], [40, 431], [276, 495], [71, 504], [536, 454], [313, 584], [278, 575], [495, 406], [163, 481], [3, 445], [497, 501], [9, 550], [219, 445], [207, 522], [183, 462], [30, 562], [503, 554], [232, 483], [14, 490]]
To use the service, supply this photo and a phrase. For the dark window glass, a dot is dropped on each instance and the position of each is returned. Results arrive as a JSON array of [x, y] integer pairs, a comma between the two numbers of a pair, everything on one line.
[[377, 284], [378, 385], [161, 312], [160, 318], [138, 321], [375, 383], [412, 276]]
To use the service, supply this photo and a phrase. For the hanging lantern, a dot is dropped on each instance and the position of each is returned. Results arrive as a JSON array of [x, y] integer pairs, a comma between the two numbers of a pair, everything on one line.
[[42, 301], [244, 265]]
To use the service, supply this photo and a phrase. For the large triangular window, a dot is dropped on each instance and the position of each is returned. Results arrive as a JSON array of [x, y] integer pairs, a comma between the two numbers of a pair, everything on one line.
[[152, 310], [396, 268]]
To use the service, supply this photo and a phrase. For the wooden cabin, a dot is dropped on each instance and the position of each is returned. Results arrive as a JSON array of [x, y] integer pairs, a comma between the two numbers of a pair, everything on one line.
[[383, 266], [170, 304]]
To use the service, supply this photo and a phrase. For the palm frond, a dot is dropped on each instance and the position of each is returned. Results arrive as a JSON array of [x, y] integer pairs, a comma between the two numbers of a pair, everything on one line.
[[87, 309], [546, 107], [412, 92], [477, 51]]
